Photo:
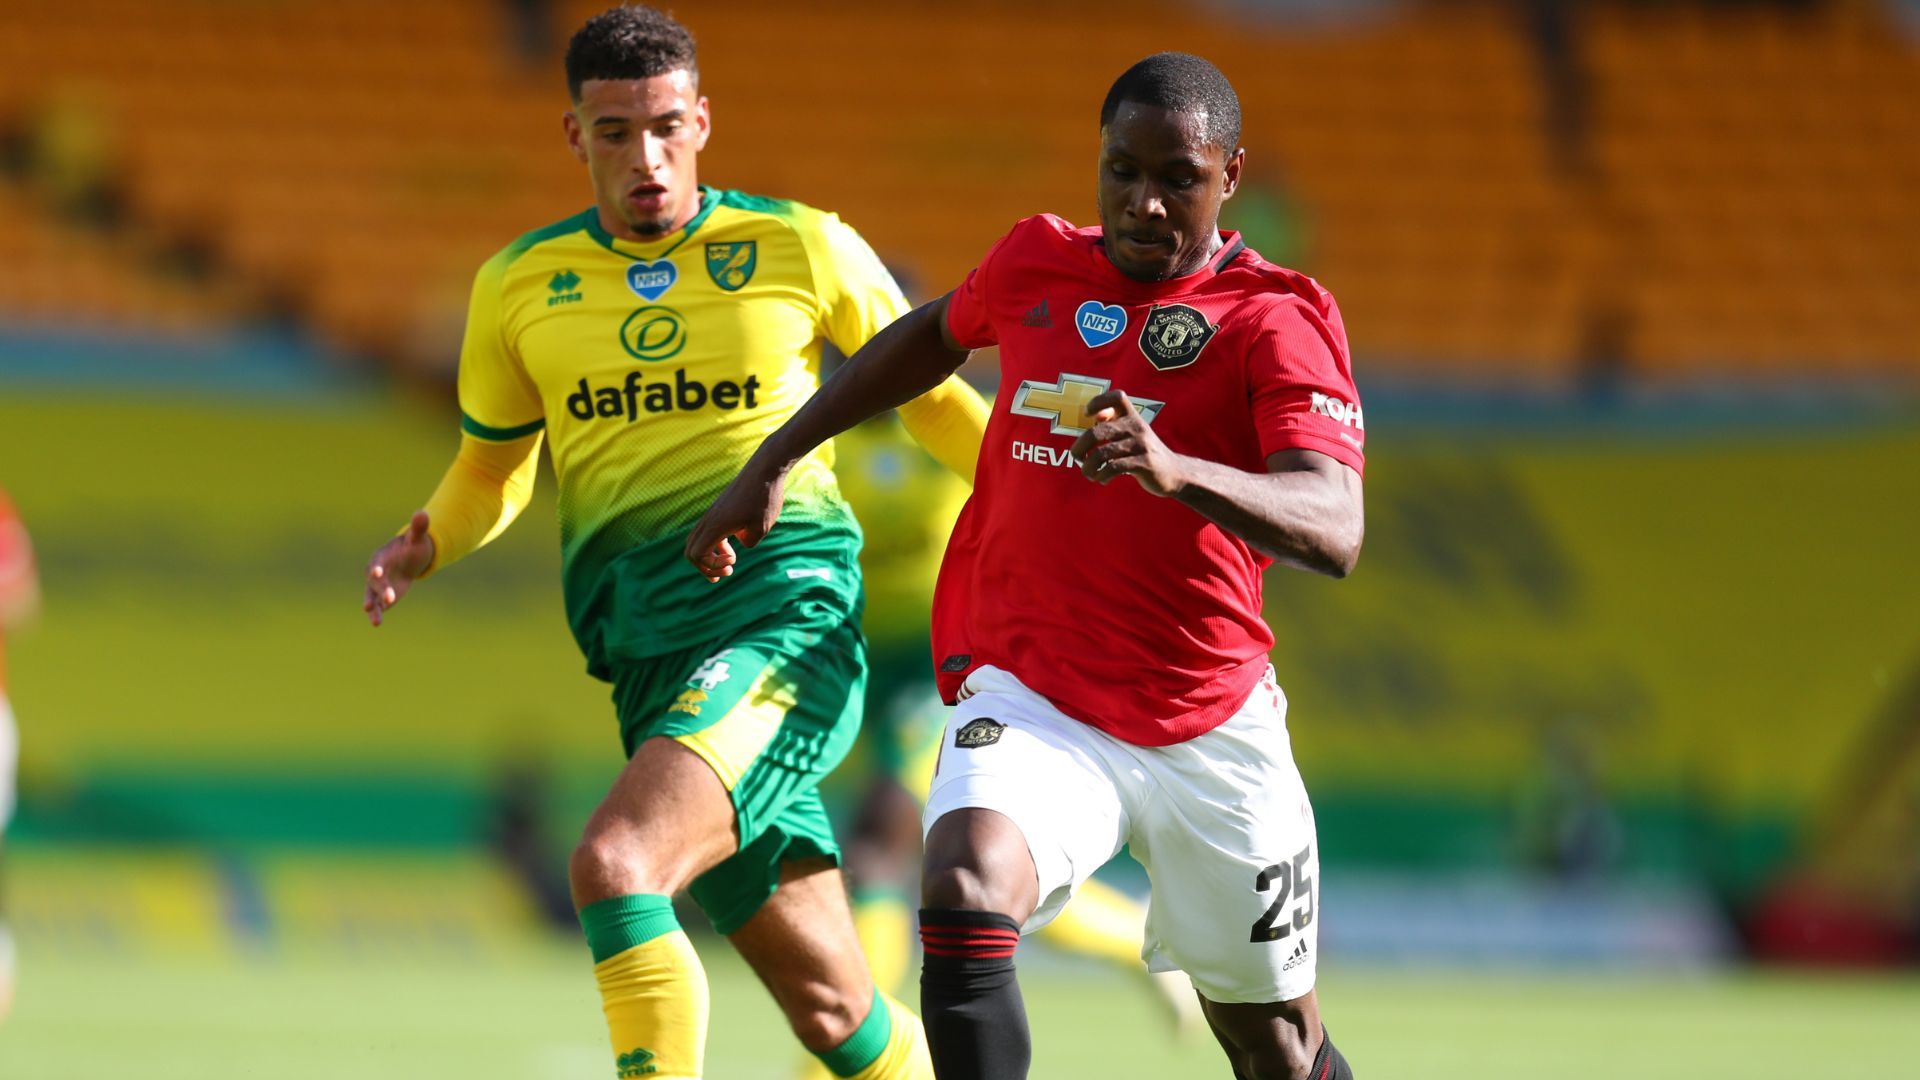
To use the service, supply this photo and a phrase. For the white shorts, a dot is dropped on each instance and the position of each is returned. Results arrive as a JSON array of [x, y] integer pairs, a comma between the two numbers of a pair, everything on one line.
[[1221, 822]]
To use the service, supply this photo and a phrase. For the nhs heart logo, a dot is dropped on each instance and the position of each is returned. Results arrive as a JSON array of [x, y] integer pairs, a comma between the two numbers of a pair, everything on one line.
[[1099, 323], [652, 280]]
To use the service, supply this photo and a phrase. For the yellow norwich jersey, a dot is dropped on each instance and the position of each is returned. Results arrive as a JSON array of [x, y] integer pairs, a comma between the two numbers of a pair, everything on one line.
[[906, 503], [656, 369]]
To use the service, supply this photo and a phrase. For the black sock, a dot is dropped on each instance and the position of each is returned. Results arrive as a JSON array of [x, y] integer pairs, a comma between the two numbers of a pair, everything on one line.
[[969, 997], [1329, 1064]]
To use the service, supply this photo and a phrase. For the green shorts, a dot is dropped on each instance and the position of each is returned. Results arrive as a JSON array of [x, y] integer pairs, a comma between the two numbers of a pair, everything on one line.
[[904, 714], [772, 707]]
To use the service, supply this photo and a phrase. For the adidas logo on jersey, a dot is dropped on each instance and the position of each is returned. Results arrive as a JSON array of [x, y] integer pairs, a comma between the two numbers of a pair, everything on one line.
[[635, 396]]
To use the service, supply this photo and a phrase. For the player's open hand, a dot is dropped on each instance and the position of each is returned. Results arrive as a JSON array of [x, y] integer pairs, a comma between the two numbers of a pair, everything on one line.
[[1122, 443], [394, 568], [745, 511]]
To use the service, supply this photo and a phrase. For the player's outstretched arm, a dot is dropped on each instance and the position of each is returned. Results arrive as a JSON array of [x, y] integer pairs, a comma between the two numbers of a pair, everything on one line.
[[914, 354], [485, 488], [1306, 510], [396, 566]]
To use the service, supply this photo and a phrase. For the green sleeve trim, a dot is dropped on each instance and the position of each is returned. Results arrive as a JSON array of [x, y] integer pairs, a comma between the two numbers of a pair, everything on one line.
[[588, 219], [760, 204], [494, 434]]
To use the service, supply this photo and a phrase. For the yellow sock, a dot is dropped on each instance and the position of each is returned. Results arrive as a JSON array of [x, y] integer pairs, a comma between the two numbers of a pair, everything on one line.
[[884, 924], [653, 989], [1100, 921]]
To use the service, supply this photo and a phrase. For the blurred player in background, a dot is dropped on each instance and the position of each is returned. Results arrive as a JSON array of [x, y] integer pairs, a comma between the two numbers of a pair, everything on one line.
[[1175, 414], [907, 504], [19, 602], [656, 338]]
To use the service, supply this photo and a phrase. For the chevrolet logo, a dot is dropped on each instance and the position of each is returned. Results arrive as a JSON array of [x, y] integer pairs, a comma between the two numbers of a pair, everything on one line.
[[1065, 403]]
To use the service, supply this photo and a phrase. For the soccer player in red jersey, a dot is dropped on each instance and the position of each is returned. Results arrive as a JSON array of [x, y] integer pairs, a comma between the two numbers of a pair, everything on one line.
[[1175, 414]]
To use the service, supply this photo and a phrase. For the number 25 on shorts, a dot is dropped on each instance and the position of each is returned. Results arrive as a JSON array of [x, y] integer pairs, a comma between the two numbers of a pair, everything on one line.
[[1288, 880]]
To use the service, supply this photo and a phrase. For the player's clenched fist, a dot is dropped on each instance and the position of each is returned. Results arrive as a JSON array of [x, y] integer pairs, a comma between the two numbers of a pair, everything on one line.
[[1122, 443], [393, 568], [746, 511]]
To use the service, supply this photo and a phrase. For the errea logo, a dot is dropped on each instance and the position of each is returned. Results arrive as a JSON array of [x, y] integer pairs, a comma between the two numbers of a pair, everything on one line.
[[1335, 409], [565, 288]]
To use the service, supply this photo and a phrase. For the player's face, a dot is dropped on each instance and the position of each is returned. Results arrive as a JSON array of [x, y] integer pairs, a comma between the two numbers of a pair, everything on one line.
[[1161, 186], [639, 138]]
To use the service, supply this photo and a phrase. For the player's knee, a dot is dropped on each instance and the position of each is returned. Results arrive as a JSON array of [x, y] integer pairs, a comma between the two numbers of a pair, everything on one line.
[[1288, 1059], [604, 865], [964, 887], [978, 861]]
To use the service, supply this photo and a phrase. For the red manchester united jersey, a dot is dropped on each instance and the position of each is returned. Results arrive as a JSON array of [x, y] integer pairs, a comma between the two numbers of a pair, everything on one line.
[[1130, 612]]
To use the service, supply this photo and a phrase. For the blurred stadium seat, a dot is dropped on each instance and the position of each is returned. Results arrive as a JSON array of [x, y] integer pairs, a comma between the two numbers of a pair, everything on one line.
[[1749, 208]]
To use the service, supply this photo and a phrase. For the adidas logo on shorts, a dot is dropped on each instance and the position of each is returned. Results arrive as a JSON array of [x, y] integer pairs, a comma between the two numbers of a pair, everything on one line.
[[1299, 956]]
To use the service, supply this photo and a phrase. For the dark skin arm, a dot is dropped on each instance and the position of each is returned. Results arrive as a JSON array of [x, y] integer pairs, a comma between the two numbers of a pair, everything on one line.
[[911, 356], [1305, 511]]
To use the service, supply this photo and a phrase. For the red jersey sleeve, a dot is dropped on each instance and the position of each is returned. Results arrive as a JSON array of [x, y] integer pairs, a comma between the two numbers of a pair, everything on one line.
[[970, 307], [1301, 383]]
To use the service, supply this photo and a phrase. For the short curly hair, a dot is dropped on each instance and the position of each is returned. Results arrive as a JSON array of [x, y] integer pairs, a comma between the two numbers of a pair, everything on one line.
[[1180, 82], [631, 41]]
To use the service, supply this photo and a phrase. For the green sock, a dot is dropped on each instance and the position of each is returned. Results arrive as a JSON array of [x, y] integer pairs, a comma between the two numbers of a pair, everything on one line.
[[865, 1045]]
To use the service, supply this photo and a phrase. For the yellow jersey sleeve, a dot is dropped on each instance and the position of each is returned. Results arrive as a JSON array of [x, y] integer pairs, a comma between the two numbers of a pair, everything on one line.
[[857, 295], [949, 422], [487, 486], [501, 424], [498, 401]]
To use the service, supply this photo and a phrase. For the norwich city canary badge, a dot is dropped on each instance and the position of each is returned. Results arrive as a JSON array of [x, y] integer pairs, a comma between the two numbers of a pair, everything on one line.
[[731, 265], [1174, 335]]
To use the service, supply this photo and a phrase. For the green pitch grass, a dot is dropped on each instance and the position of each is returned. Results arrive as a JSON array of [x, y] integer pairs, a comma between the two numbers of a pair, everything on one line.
[[529, 1013]]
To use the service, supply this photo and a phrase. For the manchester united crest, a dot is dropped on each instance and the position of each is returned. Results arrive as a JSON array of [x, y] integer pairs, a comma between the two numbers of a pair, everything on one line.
[[978, 732], [1173, 336]]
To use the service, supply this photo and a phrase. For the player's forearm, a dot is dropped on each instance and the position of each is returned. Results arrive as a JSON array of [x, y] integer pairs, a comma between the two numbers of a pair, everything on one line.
[[487, 486], [902, 362], [1310, 519]]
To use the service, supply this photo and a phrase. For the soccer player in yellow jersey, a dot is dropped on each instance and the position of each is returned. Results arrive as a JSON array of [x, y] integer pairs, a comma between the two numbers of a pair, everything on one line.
[[656, 339]]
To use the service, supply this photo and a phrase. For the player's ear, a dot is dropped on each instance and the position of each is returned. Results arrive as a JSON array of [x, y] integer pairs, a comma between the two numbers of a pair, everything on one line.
[[1230, 175], [703, 118], [576, 140]]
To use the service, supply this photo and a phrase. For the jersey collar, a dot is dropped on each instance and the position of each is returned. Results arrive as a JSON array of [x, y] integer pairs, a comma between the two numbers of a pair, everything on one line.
[[633, 249], [1231, 245]]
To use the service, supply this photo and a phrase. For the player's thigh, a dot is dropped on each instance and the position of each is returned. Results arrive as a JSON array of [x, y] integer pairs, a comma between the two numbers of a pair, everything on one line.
[[770, 711], [1007, 750], [665, 820], [1229, 843], [733, 892]]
